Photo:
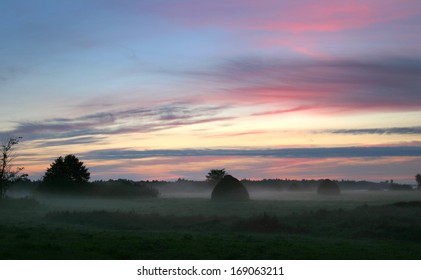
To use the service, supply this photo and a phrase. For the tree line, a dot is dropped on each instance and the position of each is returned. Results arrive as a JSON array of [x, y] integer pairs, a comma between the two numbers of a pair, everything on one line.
[[69, 174]]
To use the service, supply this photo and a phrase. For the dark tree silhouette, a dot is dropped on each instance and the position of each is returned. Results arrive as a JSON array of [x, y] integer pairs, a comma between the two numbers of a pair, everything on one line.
[[418, 179], [215, 175], [9, 175], [66, 172]]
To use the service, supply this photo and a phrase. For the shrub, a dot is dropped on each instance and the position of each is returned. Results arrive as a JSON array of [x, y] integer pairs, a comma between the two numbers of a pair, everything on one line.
[[122, 188], [399, 187]]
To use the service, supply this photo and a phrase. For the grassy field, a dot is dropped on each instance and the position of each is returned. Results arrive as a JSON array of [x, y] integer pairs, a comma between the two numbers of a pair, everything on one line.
[[354, 225]]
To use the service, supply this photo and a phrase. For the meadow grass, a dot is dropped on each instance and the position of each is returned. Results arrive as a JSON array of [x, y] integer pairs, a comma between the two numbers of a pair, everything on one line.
[[355, 225], [277, 203], [71, 243]]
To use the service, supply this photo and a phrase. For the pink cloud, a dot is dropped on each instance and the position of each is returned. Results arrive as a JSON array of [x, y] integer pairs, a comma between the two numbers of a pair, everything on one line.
[[333, 85], [251, 132], [274, 23], [316, 17], [283, 111], [297, 16]]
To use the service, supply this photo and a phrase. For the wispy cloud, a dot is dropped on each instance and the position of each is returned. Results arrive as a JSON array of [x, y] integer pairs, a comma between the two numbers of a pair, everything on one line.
[[283, 111], [66, 142], [338, 85], [391, 130], [9, 73], [135, 120], [343, 152], [242, 133], [287, 16]]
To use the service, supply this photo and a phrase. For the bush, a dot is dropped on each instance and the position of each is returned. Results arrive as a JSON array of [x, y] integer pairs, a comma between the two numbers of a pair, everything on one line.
[[122, 188], [399, 187]]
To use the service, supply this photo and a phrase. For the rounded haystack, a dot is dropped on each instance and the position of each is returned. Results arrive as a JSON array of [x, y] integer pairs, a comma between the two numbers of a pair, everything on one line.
[[230, 188], [328, 187]]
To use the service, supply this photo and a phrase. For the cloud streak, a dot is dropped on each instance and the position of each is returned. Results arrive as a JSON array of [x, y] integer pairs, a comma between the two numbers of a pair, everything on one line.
[[72, 141], [393, 130], [338, 85], [286, 16], [137, 120], [343, 152]]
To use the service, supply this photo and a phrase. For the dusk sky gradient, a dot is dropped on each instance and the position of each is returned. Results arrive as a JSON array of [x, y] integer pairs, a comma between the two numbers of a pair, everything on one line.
[[167, 89]]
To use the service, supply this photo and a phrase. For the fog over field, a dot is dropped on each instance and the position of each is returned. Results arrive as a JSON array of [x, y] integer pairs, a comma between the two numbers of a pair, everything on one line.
[[210, 129]]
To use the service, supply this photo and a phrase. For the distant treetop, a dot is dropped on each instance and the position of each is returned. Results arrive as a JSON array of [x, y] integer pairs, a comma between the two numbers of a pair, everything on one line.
[[418, 179], [215, 175]]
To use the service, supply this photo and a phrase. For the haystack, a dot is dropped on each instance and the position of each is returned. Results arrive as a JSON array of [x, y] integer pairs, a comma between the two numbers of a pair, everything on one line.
[[230, 188], [328, 187]]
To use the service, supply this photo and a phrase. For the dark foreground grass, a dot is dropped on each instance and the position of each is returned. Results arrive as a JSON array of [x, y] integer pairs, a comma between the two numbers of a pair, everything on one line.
[[399, 221], [29, 230], [60, 243], [25, 203]]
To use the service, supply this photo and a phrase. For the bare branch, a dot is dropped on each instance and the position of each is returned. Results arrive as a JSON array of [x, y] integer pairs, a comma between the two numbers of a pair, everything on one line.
[[7, 173]]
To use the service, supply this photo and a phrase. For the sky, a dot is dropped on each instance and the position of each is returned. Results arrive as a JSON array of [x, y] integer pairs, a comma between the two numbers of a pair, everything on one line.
[[167, 89]]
